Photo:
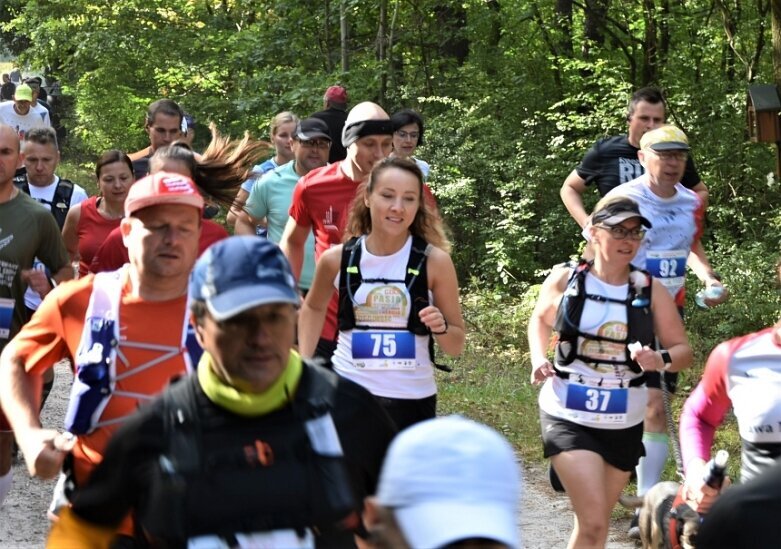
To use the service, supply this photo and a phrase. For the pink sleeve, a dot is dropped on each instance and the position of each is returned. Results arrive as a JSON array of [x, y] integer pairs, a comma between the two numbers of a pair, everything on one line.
[[705, 408]]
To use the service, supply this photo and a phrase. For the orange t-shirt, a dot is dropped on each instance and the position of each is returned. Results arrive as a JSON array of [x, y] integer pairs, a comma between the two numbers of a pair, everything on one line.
[[55, 331]]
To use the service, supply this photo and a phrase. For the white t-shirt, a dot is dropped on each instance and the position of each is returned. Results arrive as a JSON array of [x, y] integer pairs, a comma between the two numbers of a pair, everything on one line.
[[45, 195], [37, 117]]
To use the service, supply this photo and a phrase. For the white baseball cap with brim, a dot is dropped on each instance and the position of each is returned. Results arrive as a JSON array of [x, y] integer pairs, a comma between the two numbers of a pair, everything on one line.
[[162, 188], [451, 479]]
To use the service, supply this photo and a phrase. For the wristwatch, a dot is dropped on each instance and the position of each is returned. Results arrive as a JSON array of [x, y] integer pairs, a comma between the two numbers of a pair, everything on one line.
[[666, 358]]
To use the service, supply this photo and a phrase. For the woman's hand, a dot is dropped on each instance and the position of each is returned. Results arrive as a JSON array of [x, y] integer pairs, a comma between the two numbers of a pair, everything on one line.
[[648, 359], [541, 370], [434, 320]]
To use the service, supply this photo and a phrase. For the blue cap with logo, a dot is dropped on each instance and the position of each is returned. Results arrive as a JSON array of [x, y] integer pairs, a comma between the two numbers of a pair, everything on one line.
[[242, 272]]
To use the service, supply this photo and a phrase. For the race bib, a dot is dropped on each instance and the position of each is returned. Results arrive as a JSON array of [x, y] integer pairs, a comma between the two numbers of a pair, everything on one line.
[[669, 267], [6, 316], [383, 350], [590, 402]]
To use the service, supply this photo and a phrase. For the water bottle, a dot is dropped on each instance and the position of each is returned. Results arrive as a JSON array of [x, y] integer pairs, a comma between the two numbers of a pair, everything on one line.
[[715, 470], [714, 292]]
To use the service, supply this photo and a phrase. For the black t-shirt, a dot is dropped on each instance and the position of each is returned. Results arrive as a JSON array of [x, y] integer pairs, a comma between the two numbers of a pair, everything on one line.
[[141, 167], [745, 516], [335, 120], [128, 477], [613, 161], [7, 91]]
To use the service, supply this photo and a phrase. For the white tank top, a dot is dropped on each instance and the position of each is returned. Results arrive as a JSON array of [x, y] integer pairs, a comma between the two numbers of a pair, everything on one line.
[[593, 395], [379, 353]]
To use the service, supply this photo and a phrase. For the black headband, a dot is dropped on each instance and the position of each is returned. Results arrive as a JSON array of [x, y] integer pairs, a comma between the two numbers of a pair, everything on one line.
[[356, 130]]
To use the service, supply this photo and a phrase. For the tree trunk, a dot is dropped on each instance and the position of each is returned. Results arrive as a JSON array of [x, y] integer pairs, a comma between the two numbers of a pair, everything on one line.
[[382, 57], [344, 31], [564, 23], [594, 25], [650, 45]]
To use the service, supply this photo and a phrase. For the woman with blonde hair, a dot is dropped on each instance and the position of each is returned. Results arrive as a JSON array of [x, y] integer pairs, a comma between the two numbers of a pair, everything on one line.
[[283, 126], [398, 294], [607, 315]]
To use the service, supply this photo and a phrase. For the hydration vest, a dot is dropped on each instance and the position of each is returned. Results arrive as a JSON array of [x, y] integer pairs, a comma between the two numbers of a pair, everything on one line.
[[567, 324], [415, 280], [222, 474], [61, 201], [95, 378]]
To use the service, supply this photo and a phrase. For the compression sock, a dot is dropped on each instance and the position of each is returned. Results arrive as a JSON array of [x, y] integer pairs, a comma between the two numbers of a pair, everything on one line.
[[5, 485], [650, 468]]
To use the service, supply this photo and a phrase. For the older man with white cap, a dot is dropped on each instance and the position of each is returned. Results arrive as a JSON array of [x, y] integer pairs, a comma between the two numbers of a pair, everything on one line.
[[447, 482], [265, 449], [124, 331], [322, 198], [677, 215]]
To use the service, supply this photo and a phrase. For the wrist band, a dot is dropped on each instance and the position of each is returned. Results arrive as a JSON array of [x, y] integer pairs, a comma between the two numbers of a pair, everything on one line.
[[443, 332]]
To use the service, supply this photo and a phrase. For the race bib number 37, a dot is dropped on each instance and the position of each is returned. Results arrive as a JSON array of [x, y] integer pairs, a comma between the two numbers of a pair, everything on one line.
[[597, 404], [384, 350]]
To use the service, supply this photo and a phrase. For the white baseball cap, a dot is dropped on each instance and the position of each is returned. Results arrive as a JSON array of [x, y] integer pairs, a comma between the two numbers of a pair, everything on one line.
[[449, 479]]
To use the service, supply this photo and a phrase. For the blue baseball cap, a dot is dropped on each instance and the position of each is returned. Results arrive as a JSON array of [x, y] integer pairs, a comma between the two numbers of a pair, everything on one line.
[[241, 272]]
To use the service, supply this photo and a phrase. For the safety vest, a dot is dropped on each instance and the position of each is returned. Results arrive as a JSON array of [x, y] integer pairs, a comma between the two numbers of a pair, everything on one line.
[[95, 377], [415, 280], [567, 324], [61, 201], [222, 474]]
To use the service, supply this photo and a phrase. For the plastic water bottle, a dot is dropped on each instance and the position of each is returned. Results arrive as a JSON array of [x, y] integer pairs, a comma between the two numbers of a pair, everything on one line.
[[715, 470], [714, 292]]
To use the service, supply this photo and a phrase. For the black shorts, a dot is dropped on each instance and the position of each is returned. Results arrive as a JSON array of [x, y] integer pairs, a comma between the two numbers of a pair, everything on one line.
[[406, 412], [653, 381], [621, 448]]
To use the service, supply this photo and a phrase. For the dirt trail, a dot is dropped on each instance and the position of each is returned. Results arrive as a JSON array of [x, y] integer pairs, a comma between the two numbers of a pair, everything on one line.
[[545, 521]]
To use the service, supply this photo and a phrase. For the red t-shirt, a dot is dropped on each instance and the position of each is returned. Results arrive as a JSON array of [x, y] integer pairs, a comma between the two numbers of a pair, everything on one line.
[[92, 230], [321, 200], [112, 254]]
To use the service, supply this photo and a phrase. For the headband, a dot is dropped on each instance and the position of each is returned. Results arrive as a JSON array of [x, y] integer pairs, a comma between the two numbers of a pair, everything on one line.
[[362, 128]]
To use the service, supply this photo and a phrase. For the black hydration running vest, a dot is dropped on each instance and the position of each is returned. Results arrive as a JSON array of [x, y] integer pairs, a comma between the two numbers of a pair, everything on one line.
[[416, 281], [223, 476], [567, 324], [61, 201]]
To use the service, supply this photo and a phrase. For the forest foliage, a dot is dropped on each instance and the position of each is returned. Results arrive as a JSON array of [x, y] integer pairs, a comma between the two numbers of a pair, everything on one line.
[[513, 93]]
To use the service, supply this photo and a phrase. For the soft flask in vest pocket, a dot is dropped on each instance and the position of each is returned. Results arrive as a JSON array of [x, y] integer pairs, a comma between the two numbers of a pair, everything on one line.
[[92, 384]]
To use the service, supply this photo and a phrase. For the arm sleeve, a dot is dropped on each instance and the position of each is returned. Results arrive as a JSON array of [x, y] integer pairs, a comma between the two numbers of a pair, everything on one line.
[[690, 175], [298, 210], [257, 203], [51, 250], [589, 167], [705, 408]]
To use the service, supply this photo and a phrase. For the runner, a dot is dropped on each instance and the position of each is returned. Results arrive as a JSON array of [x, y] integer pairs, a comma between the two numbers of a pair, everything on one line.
[[88, 224], [27, 231], [407, 136], [606, 314], [742, 374], [269, 450], [283, 126], [677, 215], [397, 290], [76, 321]]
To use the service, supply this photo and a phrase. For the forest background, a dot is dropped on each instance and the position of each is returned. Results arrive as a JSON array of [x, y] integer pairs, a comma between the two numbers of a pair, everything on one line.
[[513, 93]]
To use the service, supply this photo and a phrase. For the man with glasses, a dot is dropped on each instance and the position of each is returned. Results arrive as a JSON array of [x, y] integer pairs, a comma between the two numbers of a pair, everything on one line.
[[271, 195], [613, 161], [677, 216]]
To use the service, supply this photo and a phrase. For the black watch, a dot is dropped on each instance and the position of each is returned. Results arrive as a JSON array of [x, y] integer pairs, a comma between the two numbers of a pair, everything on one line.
[[666, 358]]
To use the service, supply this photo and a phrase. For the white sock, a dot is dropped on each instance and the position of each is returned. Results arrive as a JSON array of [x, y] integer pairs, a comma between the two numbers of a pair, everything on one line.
[[650, 468], [5, 485]]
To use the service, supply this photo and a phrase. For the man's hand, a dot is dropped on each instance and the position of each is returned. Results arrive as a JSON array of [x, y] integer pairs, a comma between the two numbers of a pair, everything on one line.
[[44, 450], [37, 281]]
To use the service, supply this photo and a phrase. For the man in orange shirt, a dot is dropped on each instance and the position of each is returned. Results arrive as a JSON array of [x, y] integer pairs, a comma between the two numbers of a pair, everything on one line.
[[125, 332]]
